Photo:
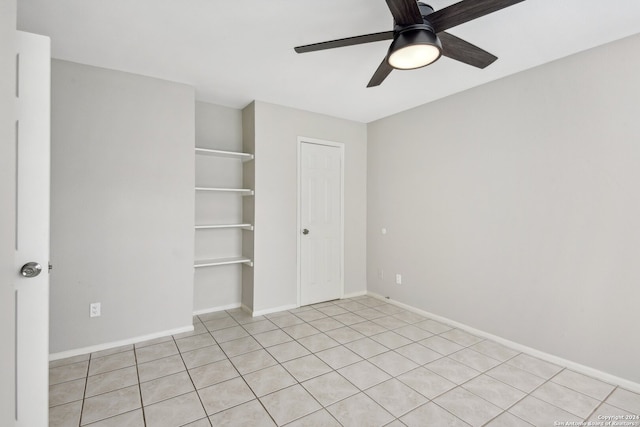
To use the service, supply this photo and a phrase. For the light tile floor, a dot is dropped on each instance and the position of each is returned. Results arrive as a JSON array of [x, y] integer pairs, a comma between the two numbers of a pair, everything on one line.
[[352, 362]]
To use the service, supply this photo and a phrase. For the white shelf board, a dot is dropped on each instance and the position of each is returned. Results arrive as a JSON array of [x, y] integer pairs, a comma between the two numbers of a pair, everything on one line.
[[214, 226], [243, 191], [222, 261], [219, 153]]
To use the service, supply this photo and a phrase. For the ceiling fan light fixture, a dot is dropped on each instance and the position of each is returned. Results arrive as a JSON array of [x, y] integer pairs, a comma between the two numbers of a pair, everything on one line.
[[414, 47]]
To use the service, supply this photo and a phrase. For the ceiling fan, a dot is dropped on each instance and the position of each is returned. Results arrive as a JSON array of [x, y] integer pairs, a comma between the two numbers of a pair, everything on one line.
[[420, 37]]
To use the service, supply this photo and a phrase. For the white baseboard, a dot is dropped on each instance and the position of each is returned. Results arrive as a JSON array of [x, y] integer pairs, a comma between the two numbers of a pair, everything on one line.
[[212, 309], [256, 313], [286, 307], [354, 294], [577, 367], [114, 344]]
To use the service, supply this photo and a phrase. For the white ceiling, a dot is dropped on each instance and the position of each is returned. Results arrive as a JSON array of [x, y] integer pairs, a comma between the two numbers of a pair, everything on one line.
[[234, 52]]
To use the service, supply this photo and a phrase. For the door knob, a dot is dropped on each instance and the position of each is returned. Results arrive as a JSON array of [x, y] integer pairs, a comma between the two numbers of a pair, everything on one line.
[[305, 231], [31, 269]]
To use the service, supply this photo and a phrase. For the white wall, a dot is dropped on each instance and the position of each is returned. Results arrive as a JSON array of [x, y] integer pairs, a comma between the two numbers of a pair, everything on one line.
[[7, 212], [122, 205], [514, 208], [277, 130], [218, 128], [248, 203]]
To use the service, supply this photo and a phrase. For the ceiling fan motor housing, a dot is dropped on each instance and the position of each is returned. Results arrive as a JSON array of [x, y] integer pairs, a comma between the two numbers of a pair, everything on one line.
[[412, 37], [425, 9]]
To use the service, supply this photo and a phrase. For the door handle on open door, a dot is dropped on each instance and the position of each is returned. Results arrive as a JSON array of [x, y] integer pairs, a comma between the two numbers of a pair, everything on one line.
[[305, 231], [31, 269]]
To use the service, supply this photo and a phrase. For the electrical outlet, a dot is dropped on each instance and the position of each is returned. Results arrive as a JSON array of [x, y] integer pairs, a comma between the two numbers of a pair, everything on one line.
[[398, 279], [94, 310]]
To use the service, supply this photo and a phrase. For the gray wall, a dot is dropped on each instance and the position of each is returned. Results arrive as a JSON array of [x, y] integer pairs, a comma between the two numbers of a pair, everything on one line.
[[122, 205], [514, 208], [277, 130], [218, 128], [7, 201]]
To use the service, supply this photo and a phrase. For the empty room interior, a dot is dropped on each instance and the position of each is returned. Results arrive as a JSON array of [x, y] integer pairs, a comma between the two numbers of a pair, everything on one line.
[[233, 214]]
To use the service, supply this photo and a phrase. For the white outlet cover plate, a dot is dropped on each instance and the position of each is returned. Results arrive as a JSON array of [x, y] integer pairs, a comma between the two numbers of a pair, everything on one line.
[[94, 310]]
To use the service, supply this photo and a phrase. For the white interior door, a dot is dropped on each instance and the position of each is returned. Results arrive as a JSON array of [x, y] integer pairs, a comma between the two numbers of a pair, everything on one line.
[[32, 230], [321, 170]]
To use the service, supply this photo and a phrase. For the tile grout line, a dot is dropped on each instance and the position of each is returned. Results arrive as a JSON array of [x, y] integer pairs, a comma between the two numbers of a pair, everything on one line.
[[503, 411], [322, 407], [461, 385], [191, 379], [135, 358], [84, 393], [319, 332], [566, 410], [360, 391], [100, 394], [526, 394], [530, 394], [601, 403], [464, 347], [241, 375], [364, 359], [138, 377]]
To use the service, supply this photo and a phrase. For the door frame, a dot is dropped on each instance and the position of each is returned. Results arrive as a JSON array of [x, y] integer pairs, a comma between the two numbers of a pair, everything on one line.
[[339, 145]]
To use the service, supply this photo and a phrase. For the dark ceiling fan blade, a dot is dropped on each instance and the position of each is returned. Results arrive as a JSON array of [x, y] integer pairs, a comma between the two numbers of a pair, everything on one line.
[[465, 11], [349, 41], [405, 12], [455, 48], [381, 73]]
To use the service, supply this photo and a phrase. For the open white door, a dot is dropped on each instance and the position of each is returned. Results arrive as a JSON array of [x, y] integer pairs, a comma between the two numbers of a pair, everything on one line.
[[321, 219], [32, 230]]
